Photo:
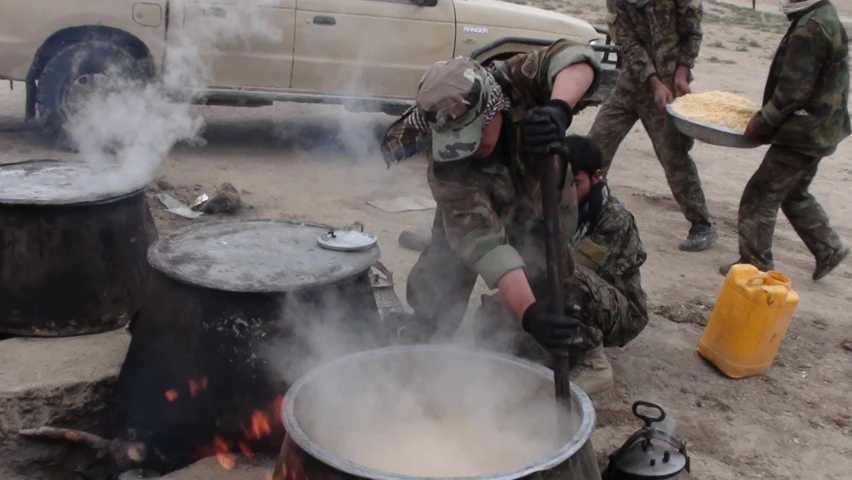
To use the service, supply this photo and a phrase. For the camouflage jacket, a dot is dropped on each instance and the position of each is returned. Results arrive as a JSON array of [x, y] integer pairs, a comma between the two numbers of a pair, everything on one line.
[[490, 204], [806, 96], [614, 251], [655, 39]]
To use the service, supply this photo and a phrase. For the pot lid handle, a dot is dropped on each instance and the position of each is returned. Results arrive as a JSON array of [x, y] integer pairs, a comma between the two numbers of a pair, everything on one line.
[[384, 270], [646, 418]]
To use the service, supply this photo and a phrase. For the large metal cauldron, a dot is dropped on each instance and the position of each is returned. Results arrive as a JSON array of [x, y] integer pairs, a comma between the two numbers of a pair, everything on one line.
[[73, 239], [344, 396], [229, 315]]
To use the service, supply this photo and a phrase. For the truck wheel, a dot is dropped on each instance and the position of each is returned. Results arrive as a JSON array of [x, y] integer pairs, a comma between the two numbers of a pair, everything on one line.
[[79, 72]]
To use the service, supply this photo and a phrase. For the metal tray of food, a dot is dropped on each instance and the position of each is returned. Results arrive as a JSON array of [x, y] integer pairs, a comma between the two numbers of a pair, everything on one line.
[[712, 134]]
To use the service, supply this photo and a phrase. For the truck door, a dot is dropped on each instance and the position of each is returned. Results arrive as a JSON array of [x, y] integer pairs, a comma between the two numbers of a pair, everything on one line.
[[242, 43], [370, 48]]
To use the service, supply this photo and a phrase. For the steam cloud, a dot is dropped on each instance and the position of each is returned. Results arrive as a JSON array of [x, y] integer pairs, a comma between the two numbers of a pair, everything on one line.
[[441, 415], [127, 132], [130, 133], [437, 416]]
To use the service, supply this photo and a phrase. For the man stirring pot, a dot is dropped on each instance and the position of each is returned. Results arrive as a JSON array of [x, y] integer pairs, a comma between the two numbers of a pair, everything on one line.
[[485, 132]]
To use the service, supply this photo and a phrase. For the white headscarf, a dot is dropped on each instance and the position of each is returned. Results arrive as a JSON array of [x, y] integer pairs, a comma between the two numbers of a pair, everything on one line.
[[791, 6]]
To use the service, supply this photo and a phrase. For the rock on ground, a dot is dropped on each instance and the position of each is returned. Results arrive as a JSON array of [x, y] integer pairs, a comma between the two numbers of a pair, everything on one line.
[[62, 382]]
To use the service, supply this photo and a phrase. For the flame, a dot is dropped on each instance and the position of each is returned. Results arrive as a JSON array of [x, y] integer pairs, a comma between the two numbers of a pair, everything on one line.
[[244, 448], [196, 386], [193, 388], [259, 425], [223, 453], [171, 395]]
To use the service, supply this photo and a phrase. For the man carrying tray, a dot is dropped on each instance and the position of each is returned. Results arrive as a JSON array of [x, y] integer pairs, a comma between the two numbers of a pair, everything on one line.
[[659, 42], [804, 117]]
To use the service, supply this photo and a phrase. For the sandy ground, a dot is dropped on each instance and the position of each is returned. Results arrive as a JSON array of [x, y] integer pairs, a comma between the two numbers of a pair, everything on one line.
[[320, 163]]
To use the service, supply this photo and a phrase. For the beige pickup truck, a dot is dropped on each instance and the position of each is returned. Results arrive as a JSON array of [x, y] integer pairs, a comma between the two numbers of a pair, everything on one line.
[[367, 55]]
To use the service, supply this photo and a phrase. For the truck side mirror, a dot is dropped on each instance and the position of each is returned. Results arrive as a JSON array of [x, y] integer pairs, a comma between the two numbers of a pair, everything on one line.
[[424, 3]]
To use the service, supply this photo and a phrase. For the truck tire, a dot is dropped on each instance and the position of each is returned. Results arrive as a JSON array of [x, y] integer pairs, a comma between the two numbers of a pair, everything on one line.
[[78, 70]]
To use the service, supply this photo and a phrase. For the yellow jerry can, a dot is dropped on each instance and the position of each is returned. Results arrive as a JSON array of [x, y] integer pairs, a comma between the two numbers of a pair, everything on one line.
[[749, 321]]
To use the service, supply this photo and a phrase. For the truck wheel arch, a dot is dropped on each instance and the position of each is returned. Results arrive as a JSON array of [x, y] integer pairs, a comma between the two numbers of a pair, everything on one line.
[[72, 35], [507, 47]]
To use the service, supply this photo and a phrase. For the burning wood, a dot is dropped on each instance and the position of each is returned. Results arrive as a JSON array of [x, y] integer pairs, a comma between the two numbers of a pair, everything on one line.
[[259, 428], [123, 453]]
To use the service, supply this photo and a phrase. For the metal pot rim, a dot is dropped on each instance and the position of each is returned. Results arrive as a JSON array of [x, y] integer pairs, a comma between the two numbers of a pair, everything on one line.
[[295, 432]]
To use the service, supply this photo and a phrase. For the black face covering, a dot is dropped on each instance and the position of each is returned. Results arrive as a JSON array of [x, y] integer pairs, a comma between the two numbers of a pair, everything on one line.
[[590, 209], [592, 206]]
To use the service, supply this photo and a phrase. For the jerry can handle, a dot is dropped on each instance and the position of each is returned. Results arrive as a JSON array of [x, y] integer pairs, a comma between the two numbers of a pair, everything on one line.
[[383, 269], [758, 280], [647, 418]]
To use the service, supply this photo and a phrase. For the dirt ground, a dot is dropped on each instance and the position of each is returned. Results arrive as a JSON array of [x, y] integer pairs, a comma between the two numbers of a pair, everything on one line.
[[320, 163]]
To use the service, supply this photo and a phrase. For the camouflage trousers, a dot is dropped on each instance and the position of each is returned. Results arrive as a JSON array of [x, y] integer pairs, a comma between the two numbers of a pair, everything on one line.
[[617, 116], [439, 288], [782, 181]]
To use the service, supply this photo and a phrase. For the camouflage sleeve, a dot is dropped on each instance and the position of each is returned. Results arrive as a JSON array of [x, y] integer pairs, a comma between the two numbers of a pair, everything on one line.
[[532, 74], [473, 228], [803, 63], [636, 60], [618, 237], [689, 28]]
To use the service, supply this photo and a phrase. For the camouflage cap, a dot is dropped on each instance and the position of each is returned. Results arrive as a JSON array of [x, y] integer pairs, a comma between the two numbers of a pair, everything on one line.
[[452, 98]]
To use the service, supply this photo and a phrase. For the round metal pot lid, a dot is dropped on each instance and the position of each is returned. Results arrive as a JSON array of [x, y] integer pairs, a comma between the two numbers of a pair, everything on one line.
[[64, 182], [260, 255], [346, 240], [653, 461]]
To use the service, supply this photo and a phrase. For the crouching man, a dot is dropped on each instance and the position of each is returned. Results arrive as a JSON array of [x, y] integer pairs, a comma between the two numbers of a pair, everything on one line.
[[607, 284]]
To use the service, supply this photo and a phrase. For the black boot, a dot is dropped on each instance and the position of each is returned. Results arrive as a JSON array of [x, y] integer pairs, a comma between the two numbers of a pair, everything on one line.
[[700, 237]]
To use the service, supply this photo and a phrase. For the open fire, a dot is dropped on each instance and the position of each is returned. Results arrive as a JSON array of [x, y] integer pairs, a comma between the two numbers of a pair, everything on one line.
[[257, 427]]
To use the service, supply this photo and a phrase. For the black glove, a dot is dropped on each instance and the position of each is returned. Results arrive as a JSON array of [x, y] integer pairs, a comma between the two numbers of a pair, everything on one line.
[[557, 333], [545, 126]]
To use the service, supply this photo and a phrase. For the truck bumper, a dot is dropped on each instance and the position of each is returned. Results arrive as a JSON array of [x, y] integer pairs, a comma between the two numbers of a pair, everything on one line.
[[611, 64]]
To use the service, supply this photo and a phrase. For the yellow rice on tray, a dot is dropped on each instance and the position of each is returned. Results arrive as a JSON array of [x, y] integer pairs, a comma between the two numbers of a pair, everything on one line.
[[717, 108]]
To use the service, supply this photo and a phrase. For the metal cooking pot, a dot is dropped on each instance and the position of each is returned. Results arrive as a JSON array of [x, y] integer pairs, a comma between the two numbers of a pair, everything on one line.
[[335, 397]]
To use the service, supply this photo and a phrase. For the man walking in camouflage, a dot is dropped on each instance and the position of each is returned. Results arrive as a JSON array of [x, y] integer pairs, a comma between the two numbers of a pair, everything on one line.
[[660, 40], [486, 132], [804, 117], [607, 283]]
